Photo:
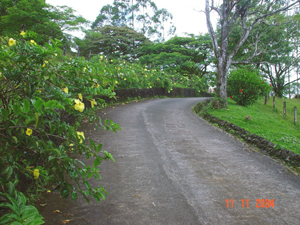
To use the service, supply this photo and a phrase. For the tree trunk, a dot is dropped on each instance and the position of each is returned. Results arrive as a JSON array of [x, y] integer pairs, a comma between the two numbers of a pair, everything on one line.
[[222, 81]]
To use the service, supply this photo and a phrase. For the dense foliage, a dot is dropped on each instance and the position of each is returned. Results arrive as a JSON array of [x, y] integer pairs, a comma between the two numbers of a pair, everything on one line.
[[112, 42], [246, 85], [251, 19]]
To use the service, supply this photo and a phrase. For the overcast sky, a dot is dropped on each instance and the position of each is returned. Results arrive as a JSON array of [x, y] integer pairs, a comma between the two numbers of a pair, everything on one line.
[[185, 18]]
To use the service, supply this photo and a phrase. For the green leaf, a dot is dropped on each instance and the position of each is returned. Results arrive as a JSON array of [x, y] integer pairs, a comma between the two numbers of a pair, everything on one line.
[[74, 195], [99, 147], [87, 184], [51, 158], [17, 109], [38, 104], [60, 130], [36, 120], [16, 223], [15, 139], [34, 220], [92, 143], [49, 104], [8, 171], [39, 121], [28, 211], [64, 193], [109, 156], [26, 105], [52, 128], [97, 162], [7, 218], [4, 113]]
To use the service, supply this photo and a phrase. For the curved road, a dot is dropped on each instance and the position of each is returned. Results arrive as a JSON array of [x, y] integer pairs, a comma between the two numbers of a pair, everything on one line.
[[173, 168]]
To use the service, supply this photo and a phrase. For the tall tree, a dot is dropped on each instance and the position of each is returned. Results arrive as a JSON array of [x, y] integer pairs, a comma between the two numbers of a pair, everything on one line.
[[33, 14], [142, 15], [281, 59], [247, 14], [278, 41]]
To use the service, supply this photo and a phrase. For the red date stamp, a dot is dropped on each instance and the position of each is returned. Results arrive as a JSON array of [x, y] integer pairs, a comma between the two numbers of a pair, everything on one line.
[[260, 203]]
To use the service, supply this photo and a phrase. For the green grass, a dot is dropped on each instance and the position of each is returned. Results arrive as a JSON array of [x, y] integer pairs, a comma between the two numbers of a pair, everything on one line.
[[266, 122]]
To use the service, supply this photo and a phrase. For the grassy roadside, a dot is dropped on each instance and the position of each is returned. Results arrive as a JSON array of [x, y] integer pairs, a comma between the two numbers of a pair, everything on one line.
[[266, 122]]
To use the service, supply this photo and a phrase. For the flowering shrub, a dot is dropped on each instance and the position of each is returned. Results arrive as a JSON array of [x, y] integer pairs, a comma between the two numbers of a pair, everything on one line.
[[245, 86], [40, 113]]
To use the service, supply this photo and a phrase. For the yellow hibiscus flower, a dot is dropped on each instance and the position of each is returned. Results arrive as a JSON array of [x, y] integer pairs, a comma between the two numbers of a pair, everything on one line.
[[79, 106], [93, 102], [80, 135], [11, 42], [28, 131]]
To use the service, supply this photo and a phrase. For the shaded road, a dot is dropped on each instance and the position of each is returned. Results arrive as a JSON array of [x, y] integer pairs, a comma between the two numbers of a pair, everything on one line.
[[174, 168]]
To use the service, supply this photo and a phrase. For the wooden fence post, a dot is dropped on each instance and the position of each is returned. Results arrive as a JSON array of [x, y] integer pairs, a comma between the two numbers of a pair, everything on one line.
[[65, 49], [295, 115], [284, 109], [266, 99]]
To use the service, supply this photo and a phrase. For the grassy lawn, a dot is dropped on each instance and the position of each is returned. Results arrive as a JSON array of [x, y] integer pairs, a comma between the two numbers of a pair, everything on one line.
[[266, 122]]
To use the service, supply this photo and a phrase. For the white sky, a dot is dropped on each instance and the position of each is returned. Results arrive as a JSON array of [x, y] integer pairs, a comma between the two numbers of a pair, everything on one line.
[[185, 18]]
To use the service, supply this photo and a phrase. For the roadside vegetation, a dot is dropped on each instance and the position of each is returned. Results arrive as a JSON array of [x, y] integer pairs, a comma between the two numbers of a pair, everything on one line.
[[262, 120]]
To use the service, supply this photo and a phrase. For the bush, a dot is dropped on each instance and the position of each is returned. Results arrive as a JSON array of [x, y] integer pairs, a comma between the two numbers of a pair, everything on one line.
[[246, 85], [42, 101]]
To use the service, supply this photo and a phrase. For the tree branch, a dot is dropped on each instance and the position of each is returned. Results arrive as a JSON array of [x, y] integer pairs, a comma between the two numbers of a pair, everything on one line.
[[210, 29]]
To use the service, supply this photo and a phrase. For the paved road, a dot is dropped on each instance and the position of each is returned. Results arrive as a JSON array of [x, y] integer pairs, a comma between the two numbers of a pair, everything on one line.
[[173, 168]]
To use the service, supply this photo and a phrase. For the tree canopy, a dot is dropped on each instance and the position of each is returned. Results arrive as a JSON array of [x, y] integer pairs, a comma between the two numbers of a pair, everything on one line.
[[184, 55], [44, 20], [142, 15], [112, 41]]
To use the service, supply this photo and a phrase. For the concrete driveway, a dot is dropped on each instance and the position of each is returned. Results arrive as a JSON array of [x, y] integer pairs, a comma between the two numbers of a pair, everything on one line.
[[173, 168]]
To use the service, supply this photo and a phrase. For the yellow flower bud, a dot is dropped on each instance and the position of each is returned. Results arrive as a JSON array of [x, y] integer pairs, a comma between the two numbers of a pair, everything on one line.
[[80, 96], [32, 42], [66, 90], [36, 174]]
